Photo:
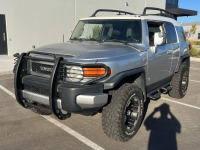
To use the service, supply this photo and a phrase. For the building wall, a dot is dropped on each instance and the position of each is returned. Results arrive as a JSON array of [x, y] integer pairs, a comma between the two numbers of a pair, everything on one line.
[[41, 22], [36, 22], [87, 7], [193, 36]]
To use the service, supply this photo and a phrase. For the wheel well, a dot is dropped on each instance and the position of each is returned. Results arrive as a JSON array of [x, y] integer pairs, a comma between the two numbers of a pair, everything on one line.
[[138, 79], [186, 61]]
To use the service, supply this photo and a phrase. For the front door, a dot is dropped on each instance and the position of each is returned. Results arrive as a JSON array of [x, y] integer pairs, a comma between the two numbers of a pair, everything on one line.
[[159, 63], [3, 37]]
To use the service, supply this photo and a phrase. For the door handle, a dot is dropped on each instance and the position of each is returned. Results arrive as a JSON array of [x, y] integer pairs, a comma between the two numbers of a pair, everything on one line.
[[169, 51], [4, 36]]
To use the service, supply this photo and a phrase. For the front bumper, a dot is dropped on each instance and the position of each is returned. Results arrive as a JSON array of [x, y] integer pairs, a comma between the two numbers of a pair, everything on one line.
[[71, 98], [85, 99]]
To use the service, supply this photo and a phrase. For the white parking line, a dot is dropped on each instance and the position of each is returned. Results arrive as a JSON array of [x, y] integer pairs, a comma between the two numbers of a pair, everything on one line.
[[7, 91], [74, 133], [195, 81], [181, 103], [64, 127]]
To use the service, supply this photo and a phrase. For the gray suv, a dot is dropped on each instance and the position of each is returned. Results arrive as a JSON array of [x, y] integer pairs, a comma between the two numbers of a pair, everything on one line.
[[110, 65]]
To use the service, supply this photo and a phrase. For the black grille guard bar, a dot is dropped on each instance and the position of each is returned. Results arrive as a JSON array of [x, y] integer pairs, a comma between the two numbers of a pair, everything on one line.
[[53, 91], [21, 71], [19, 74], [42, 53], [40, 59]]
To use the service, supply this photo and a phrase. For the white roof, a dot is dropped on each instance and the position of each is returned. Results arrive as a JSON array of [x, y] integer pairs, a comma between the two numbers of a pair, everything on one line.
[[113, 17], [150, 17], [161, 18]]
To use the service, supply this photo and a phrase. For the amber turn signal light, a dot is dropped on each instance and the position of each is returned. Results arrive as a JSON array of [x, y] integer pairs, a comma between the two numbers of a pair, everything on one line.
[[95, 72]]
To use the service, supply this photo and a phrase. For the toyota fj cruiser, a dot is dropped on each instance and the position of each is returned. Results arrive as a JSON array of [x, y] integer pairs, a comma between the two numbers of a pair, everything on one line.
[[110, 65]]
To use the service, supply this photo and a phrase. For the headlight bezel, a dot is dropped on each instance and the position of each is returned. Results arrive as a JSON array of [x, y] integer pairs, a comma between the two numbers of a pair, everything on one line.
[[78, 75]]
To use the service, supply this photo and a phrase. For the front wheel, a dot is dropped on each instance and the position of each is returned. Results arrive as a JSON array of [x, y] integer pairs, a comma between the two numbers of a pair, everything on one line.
[[122, 118]]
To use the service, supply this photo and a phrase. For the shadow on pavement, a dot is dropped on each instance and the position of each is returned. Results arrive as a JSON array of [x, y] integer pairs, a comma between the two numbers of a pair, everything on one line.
[[163, 129]]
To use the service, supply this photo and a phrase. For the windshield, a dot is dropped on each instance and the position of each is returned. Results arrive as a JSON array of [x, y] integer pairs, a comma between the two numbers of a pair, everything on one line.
[[108, 30]]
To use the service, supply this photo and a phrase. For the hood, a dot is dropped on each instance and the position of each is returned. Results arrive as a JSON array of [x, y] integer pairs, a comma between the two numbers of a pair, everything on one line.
[[87, 50]]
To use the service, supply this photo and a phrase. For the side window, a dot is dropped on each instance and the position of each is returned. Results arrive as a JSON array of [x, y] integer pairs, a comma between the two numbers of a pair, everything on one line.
[[153, 28], [198, 35], [182, 35], [171, 33]]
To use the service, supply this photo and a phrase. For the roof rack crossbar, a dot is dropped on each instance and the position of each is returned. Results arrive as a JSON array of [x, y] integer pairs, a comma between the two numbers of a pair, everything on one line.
[[110, 10], [166, 13]]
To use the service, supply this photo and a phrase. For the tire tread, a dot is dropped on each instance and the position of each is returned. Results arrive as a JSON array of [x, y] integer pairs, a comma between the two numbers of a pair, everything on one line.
[[176, 83], [112, 114]]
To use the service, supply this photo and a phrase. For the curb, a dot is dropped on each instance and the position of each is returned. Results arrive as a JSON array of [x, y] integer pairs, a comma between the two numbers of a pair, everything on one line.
[[195, 59]]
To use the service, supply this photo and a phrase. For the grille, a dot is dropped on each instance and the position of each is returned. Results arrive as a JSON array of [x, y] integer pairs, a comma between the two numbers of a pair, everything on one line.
[[41, 68], [39, 90]]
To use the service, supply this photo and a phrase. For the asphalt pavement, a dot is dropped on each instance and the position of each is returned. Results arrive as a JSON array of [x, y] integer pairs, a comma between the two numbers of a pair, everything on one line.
[[169, 124]]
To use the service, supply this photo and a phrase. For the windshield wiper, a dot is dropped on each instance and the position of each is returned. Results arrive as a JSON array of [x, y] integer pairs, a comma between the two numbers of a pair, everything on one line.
[[92, 39], [119, 41], [79, 39], [84, 39]]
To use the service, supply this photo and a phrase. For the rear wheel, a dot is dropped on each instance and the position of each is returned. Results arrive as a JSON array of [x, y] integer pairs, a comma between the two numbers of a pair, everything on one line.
[[122, 118], [180, 83]]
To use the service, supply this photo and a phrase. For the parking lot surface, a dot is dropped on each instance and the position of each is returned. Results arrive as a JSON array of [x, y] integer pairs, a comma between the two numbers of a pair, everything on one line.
[[174, 124]]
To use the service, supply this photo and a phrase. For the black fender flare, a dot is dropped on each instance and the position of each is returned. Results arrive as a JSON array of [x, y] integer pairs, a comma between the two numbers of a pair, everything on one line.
[[184, 57], [140, 81]]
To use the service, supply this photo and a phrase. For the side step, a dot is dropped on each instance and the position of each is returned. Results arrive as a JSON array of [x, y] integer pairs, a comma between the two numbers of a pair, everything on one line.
[[156, 93], [169, 88], [155, 96]]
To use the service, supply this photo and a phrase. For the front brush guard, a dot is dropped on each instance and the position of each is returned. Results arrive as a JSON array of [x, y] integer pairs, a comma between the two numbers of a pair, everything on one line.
[[21, 71]]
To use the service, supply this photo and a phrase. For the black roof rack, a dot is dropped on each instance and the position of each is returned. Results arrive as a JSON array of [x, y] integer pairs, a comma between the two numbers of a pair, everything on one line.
[[166, 13], [110, 10]]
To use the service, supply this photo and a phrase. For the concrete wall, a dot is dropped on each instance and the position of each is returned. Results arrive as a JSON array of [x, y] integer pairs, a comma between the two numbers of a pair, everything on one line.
[[193, 36], [41, 22], [36, 22]]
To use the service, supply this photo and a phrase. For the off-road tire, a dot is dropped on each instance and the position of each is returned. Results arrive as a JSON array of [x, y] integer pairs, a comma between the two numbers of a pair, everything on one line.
[[113, 114], [39, 111], [176, 82]]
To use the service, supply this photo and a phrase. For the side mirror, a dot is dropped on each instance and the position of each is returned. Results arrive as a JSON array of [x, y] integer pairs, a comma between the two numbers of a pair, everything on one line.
[[159, 39]]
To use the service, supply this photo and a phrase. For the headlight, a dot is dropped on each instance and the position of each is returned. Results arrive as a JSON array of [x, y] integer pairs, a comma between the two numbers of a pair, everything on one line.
[[84, 74], [75, 73]]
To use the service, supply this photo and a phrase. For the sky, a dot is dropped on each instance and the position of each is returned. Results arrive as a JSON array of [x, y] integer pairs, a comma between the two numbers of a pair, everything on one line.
[[192, 5]]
